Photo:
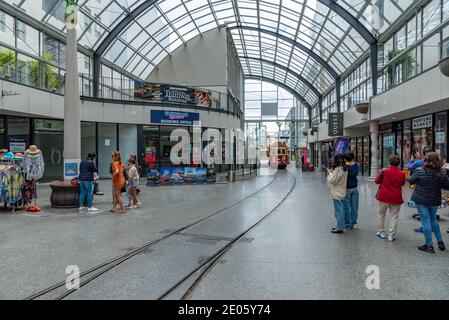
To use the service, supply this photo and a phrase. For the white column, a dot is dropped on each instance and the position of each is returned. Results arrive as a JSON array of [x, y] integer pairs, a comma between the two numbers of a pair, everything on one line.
[[72, 108], [374, 130]]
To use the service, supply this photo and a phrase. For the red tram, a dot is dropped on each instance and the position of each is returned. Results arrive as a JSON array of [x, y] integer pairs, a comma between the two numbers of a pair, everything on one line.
[[278, 153]]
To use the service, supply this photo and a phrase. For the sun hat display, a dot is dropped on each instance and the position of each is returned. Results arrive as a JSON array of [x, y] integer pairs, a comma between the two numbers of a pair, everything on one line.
[[33, 150], [9, 155]]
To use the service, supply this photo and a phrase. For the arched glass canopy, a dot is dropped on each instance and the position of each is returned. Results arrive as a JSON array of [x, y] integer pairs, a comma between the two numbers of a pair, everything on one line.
[[164, 25]]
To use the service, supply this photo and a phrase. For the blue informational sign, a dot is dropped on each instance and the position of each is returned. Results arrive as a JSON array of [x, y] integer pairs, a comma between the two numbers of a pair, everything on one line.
[[174, 117], [341, 146]]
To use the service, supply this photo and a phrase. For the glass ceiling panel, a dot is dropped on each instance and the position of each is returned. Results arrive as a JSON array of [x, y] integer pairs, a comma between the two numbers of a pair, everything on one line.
[[168, 24]]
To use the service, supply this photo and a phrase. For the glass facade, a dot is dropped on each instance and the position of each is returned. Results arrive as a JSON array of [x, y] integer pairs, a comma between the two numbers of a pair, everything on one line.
[[416, 47]]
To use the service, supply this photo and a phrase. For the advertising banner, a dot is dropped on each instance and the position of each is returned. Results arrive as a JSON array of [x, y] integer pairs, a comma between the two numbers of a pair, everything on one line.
[[341, 146], [147, 92], [179, 176], [174, 117], [335, 124], [172, 94]]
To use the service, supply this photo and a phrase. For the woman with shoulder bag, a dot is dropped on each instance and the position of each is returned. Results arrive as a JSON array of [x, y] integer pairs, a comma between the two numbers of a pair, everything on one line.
[[429, 181], [389, 195], [118, 181], [337, 178]]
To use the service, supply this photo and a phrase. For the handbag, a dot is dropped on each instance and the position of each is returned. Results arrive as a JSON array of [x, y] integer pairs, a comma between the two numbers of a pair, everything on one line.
[[380, 184]]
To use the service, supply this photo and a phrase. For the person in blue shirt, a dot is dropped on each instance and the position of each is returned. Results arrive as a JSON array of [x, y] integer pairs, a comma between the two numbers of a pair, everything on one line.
[[418, 162], [352, 191], [88, 174]]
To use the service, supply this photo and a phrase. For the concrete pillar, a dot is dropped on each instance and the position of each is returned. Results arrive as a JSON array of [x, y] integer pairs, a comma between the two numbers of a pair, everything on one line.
[[374, 130], [72, 108]]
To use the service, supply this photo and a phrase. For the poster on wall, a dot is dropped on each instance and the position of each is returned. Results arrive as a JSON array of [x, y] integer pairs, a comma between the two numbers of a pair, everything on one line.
[[165, 174], [71, 168], [17, 145], [179, 176], [153, 177]]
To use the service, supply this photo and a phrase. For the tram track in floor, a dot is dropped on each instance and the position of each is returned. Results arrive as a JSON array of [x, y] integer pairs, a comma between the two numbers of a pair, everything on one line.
[[87, 276], [208, 264]]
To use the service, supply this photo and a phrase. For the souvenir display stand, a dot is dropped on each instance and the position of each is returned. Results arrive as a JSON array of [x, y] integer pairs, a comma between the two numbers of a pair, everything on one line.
[[18, 175]]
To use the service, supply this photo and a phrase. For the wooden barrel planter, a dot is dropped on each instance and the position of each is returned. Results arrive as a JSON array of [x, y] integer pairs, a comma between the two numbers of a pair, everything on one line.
[[64, 196]]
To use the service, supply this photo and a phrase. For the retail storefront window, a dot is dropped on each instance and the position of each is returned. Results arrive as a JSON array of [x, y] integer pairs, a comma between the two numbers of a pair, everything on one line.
[[151, 146], [366, 156], [49, 137], [18, 134], [2, 133], [88, 138], [128, 140], [407, 142], [441, 134], [389, 144], [107, 144], [422, 133]]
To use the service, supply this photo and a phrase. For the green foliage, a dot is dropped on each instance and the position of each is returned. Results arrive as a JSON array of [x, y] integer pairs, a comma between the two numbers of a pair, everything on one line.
[[408, 62], [7, 62], [49, 79]]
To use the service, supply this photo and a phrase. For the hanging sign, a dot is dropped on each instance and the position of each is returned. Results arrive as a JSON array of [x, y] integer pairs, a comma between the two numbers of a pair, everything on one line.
[[422, 122], [335, 124], [341, 146]]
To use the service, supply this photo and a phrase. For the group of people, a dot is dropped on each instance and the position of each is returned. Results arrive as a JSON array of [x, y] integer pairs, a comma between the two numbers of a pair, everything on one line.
[[427, 179], [125, 178]]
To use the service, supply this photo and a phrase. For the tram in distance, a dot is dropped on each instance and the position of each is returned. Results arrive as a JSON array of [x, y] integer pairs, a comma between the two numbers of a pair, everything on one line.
[[279, 153]]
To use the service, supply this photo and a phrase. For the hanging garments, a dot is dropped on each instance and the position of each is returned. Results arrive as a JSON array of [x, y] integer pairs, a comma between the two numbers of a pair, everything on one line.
[[29, 191], [33, 165]]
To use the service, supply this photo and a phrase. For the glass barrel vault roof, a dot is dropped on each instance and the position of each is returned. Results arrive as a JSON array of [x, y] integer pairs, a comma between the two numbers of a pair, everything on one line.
[[168, 24]]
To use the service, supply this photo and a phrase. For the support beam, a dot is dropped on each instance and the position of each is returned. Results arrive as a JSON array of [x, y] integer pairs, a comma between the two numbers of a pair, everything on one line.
[[294, 43], [277, 65], [114, 34], [350, 19], [374, 61], [338, 94], [320, 108]]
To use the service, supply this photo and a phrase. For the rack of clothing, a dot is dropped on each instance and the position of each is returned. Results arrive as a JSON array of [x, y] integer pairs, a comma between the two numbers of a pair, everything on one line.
[[11, 183]]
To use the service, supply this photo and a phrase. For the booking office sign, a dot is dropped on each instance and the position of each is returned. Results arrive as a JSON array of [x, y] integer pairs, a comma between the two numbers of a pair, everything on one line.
[[210, 146]]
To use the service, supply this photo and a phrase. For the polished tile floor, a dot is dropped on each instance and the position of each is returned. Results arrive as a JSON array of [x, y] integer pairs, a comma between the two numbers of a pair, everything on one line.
[[291, 255]]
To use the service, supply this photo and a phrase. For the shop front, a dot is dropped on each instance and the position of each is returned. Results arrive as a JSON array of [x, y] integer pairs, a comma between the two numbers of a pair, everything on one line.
[[407, 137]]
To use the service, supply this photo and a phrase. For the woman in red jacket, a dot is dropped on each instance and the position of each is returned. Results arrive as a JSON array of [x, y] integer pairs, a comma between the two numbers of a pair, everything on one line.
[[391, 181]]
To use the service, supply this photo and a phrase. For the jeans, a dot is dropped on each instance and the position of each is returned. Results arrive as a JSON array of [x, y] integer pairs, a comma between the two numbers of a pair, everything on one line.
[[429, 222], [339, 207], [86, 190], [351, 207]]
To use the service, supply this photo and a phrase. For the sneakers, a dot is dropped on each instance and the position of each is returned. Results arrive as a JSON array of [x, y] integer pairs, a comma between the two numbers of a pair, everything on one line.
[[81, 208], [441, 246], [355, 226], [93, 209], [426, 248], [381, 235], [335, 230], [391, 238]]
